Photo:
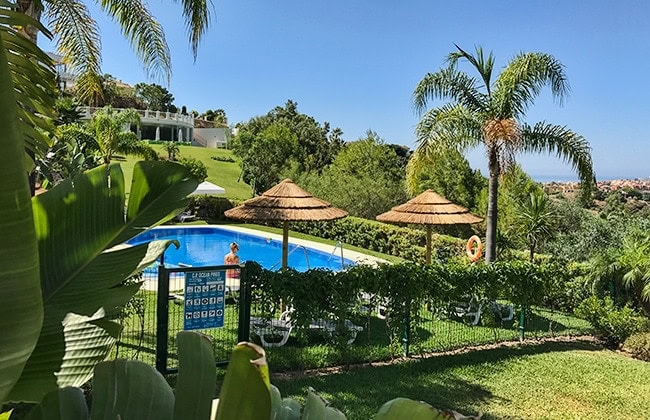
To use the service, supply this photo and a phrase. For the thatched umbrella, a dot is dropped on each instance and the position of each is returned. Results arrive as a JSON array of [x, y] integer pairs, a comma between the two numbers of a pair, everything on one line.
[[286, 202], [429, 209]]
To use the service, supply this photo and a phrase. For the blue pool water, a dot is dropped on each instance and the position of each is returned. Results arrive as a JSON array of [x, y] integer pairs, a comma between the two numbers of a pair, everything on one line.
[[203, 246]]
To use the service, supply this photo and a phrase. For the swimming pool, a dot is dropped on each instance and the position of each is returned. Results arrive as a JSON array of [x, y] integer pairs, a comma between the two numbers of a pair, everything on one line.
[[203, 246]]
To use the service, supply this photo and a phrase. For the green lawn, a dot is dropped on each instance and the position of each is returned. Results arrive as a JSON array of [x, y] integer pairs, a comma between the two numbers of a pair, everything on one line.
[[545, 381], [224, 174]]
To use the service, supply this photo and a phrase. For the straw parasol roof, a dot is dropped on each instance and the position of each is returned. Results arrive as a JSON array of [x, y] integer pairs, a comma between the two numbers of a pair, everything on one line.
[[429, 209], [285, 202]]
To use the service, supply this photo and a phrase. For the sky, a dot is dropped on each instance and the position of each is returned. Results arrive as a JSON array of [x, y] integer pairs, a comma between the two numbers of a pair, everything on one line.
[[355, 64]]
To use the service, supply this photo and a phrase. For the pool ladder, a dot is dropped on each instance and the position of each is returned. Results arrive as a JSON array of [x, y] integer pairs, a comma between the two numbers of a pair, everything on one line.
[[339, 245], [291, 252]]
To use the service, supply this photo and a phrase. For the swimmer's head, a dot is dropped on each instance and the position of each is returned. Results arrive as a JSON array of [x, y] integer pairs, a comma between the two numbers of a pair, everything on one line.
[[234, 247]]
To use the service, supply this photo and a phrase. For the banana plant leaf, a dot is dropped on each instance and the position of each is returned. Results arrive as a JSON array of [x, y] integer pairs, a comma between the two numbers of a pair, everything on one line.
[[246, 390], [21, 311], [80, 226], [130, 390], [63, 404], [197, 377]]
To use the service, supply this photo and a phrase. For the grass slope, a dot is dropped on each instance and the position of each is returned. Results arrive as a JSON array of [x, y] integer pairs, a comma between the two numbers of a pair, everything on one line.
[[224, 174], [546, 381]]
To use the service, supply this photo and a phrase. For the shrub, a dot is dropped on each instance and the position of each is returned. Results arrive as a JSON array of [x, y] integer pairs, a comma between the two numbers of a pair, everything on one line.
[[210, 208], [401, 242], [196, 167], [614, 325], [638, 345], [223, 159]]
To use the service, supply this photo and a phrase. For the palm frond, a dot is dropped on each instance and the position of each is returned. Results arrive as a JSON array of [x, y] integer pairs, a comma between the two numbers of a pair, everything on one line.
[[33, 77], [128, 143], [145, 34], [449, 83], [565, 144], [79, 43], [447, 127], [481, 64], [523, 79], [197, 20], [89, 88]]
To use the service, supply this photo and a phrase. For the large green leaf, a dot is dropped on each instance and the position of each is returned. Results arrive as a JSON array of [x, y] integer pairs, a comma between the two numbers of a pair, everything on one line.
[[78, 224], [63, 404], [21, 311], [316, 408], [130, 390], [197, 377], [245, 393]]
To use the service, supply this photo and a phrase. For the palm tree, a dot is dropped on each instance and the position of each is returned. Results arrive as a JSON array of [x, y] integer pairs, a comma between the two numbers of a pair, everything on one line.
[[108, 130], [172, 150], [78, 37], [489, 113], [635, 261], [535, 220]]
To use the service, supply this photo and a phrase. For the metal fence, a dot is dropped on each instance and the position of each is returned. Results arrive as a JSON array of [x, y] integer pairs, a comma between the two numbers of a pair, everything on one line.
[[156, 314], [152, 320]]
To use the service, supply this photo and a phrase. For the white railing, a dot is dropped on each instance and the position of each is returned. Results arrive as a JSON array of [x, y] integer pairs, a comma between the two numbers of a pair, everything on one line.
[[147, 115]]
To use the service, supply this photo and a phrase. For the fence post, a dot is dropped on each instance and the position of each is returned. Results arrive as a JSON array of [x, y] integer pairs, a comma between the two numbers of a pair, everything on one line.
[[162, 317], [522, 320], [406, 339], [245, 301]]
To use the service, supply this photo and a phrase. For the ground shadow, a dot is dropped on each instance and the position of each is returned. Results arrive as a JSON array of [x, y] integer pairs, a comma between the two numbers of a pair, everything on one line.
[[434, 379]]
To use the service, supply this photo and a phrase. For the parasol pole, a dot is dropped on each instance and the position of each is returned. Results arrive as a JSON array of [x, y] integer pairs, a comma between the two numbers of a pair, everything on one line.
[[285, 244], [428, 256]]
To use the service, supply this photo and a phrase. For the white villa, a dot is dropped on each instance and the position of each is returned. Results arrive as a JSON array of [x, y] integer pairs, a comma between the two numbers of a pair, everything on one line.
[[167, 126], [154, 125]]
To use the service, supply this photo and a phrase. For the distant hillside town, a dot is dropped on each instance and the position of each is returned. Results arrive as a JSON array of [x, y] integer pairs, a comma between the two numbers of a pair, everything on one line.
[[637, 188]]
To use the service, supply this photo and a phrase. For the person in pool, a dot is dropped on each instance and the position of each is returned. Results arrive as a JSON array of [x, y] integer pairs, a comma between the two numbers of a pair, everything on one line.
[[232, 275]]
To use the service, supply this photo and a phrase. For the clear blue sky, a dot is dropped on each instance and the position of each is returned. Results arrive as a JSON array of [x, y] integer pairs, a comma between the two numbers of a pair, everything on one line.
[[355, 64]]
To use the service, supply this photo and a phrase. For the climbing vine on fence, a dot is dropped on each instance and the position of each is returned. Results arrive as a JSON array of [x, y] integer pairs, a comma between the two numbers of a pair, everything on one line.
[[403, 289]]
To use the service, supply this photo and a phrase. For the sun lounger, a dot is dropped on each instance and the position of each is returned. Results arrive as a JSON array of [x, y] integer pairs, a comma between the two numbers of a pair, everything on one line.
[[185, 217], [329, 327], [266, 330]]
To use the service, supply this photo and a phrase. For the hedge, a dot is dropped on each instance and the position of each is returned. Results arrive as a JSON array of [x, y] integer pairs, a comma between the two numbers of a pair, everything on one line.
[[403, 288], [398, 241]]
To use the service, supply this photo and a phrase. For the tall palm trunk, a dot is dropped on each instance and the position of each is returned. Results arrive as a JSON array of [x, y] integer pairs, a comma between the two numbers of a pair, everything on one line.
[[493, 193]]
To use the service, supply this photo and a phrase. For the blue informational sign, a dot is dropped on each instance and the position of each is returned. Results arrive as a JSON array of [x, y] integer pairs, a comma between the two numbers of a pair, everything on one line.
[[204, 299]]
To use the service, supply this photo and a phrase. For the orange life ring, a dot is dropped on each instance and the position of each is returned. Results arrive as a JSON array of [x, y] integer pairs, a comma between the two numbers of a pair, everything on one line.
[[474, 254]]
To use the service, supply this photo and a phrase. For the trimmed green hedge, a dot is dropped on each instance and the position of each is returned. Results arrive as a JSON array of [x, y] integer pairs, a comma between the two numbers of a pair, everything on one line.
[[211, 208], [401, 242]]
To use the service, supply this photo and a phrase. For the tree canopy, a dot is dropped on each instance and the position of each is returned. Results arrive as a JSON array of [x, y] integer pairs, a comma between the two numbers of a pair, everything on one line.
[[366, 178], [155, 97]]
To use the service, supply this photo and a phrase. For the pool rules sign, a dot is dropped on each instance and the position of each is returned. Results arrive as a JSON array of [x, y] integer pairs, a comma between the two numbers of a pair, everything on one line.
[[204, 299]]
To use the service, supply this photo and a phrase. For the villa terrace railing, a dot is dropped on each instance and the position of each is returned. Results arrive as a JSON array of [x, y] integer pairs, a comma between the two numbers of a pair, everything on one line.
[[146, 115]]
